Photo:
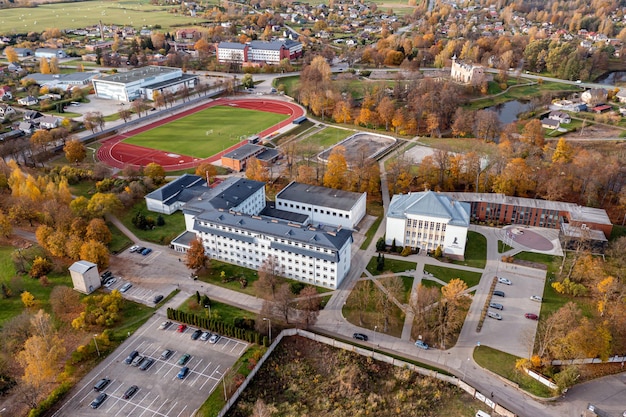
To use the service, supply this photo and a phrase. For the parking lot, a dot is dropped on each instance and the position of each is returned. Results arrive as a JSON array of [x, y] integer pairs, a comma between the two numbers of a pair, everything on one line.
[[515, 333], [160, 392]]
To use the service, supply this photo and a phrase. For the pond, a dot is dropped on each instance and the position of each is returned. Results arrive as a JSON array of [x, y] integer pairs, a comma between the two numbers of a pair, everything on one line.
[[612, 78], [507, 112]]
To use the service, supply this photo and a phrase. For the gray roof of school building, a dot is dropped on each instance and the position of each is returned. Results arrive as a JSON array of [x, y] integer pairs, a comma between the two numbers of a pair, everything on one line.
[[62, 78], [243, 152], [138, 74], [272, 45], [270, 210], [231, 45], [185, 238], [225, 195], [577, 213], [319, 196], [430, 204], [334, 240], [173, 81], [268, 155], [183, 188]]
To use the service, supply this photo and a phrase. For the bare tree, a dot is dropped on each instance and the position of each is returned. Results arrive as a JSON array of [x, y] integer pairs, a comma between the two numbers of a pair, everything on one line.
[[268, 281], [283, 300]]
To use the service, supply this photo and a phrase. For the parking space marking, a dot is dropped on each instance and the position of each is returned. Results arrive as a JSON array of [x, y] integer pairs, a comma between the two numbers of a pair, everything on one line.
[[181, 411], [148, 408], [157, 410], [171, 408]]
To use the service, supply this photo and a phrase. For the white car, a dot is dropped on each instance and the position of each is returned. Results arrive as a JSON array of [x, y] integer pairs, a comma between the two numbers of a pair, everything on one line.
[[504, 281], [110, 282], [133, 249], [536, 298], [214, 338], [126, 287], [205, 336], [494, 315]]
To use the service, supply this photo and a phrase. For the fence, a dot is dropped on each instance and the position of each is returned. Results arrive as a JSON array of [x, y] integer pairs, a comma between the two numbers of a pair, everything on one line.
[[365, 352], [545, 381], [586, 361]]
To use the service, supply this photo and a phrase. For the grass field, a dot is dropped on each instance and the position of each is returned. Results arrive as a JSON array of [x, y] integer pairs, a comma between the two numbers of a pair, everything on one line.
[[327, 137], [207, 132], [391, 265], [448, 274], [475, 251], [136, 13]]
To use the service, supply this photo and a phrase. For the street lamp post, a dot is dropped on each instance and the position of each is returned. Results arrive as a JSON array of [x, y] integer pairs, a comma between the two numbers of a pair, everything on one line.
[[269, 326], [96, 343], [374, 344], [224, 382]]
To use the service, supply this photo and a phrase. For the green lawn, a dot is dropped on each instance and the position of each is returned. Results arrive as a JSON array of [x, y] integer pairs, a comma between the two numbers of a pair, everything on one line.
[[221, 311], [207, 132], [369, 235], [174, 225], [119, 241], [13, 306], [503, 364], [372, 318], [136, 13], [327, 137], [447, 274], [503, 247], [391, 265], [475, 251]]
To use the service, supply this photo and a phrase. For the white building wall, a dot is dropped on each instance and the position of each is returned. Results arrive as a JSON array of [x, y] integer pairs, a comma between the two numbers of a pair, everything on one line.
[[230, 55], [113, 91], [455, 240], [327, 215], [394, 230]]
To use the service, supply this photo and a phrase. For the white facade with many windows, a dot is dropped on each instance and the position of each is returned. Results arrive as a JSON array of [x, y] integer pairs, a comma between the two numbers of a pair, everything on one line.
[[428, 220], [229, 222]]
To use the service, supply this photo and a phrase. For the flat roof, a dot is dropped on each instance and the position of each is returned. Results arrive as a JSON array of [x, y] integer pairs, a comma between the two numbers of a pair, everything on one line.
[[244, 152], [319, 196], [139, 74], [270, 210], [173, 81], [226, 195], [577, 213]]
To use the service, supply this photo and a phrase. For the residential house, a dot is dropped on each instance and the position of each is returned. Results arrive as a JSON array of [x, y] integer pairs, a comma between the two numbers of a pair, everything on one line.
[[621, 95], [26, 127], [594, 96], [28, 101], [32, 115], [548, 123], [601, 108], [6, 111], [560, 116], [50, 53], [48, 122], [5, 93], [23, 52]]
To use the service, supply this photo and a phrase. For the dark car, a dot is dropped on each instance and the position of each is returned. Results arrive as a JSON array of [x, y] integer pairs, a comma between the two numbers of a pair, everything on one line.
[[360, 336], [146, 251], [499, 293], [130, 392], [130, 357], [106, 275], [184, 359], [98, 400], [157, 299], [182, 373], [140, 249], [497, 306], [195, 335], [146, 363], [531, 316], [101, 384]]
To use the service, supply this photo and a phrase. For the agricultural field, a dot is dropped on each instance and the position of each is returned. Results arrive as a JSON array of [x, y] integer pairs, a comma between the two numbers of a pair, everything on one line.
[[206, 132], [136, 13]]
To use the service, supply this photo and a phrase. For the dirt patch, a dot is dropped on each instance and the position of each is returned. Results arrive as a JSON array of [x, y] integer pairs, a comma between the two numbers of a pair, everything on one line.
[[595, 131]]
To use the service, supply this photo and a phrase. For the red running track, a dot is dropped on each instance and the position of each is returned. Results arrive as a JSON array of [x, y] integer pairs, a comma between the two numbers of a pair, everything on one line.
[[119, 155]]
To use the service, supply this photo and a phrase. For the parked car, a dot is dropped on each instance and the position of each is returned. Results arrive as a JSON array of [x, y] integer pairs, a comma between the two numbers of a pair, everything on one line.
[[205, 336], [133, 249], [97, 402], [536, 298], [157, 298], [420, 344], [196, 334], [100, 385], [183, 372], [497, 306], [504, 281], [110, 282], [129, 359], [105, 275], [130, 392], [184, 359], [140, 249], [531, 316], [166, 354], [165, 325], [126, 287], [137, 360], [181, 328], [146, 363], [494, 315], [214, 338], [360, 336], [146, 251], [499, 293]]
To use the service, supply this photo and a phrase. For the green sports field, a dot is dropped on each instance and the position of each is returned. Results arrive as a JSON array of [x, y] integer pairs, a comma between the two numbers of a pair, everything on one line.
[[207, 132]]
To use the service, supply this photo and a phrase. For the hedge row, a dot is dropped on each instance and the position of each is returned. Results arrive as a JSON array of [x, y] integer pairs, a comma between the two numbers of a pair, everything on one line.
[[216, 326], [52, 399]]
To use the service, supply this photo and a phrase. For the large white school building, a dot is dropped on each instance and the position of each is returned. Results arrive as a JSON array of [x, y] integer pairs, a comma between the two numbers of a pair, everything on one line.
[[428, 220], [237, 225]]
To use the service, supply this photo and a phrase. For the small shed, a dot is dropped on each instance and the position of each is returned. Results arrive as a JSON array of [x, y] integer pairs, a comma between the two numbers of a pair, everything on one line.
[[85, 276]]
